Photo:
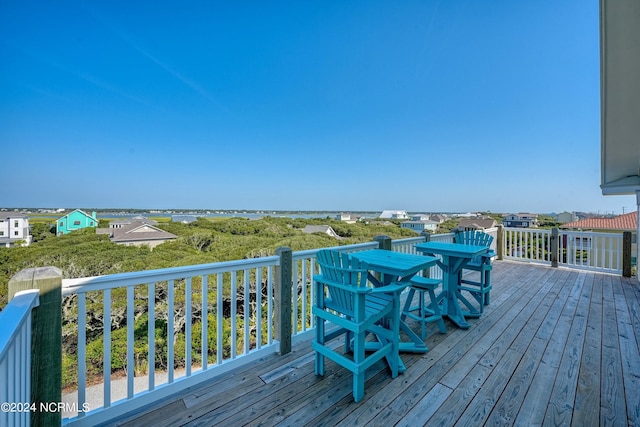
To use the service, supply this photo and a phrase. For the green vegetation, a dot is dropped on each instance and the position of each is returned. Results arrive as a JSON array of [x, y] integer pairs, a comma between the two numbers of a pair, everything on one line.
[[84, 253]]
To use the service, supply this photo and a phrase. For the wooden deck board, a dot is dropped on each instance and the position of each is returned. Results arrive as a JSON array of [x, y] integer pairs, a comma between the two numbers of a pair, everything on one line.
[[556, 346]]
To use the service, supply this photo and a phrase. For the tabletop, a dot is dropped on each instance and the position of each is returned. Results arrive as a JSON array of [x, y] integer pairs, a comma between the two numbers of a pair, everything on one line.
[[451, 249], [394, 263]]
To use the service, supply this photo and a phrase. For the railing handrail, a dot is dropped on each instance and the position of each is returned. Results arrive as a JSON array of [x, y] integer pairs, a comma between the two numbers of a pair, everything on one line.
[[117, 280], [14, 315], [15, 357]]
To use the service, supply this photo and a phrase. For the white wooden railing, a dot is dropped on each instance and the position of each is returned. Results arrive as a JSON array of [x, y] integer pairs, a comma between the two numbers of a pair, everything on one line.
[[15, 359], [199, 321], [239, 295], [576, 249]]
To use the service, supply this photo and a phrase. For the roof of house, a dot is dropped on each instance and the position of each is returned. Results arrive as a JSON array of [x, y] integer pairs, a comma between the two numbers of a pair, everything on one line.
[[139, 232], [136, 219], [79, 211], [326, 229], [5, 215], [479, 223], [392, 213], [627, 221]]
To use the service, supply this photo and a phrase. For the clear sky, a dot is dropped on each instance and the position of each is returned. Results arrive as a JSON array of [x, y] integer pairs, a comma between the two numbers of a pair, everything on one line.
[[457, 105]]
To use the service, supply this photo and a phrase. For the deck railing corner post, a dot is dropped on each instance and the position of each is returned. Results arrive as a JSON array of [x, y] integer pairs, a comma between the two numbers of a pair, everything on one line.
[[384, 242], [500, 242], [46, 341], [626, 253], [426, 235], [554, 246], [283, 299]]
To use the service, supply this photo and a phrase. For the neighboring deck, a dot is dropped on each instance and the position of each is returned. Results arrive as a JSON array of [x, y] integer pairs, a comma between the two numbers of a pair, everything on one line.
[[555, 347]]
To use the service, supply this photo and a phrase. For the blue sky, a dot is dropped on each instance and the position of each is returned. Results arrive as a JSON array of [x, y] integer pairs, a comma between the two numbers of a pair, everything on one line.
[[330, 105]]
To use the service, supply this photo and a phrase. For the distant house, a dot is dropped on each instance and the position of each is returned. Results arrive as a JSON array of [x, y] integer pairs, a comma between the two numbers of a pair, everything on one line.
[[126, 222], [184, 219], [521, 220], [565, 217], [75, 220], [324, 229], [14, 228], [439, 218], [420, 225], [390, 214], [476, 223], [136, 233]]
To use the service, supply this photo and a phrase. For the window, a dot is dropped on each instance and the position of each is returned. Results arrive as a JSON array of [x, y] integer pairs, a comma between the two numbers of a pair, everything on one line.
[[76, 222], [15, 223], [1, 233], [15, 233]]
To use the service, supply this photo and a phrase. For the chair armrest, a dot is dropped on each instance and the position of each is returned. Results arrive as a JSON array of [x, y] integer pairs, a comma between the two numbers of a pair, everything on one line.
[[490, 254], [348, 288], [390, 288]]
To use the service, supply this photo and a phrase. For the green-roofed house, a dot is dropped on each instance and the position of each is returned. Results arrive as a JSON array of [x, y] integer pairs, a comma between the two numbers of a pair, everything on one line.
[[75, 220]]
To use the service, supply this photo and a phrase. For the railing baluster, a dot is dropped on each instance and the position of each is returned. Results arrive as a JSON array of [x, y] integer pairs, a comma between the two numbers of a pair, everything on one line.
[[188, 298], [247, 312], [130, 341], [151, 333], [205, 322], [219, 318], [234, 302], [170, 331], [294, 297], [82, 350], [258, 308], [270, 305], [106, 348]]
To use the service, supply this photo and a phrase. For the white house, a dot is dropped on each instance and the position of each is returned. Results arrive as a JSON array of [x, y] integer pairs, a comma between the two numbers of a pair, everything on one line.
[[420, 225], [390, 214], [14, 228]]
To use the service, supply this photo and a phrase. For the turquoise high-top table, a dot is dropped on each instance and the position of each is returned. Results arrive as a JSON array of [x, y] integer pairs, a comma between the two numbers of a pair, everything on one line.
[[454, 257], [399, 268]]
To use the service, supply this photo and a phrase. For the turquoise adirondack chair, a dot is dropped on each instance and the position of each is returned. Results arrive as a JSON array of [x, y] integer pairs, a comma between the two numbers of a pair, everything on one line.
[[479, 289], [343, 299]]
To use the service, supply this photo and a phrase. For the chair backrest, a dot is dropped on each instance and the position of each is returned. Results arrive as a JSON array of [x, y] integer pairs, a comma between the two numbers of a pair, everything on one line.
[[474, 237], [338, 268]]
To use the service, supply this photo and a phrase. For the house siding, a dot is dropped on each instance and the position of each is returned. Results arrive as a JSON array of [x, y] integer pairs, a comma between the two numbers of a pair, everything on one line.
[[75, 220]]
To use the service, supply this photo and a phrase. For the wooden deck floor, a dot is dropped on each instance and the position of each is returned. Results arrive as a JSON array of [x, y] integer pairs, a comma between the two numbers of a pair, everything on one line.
[[555, 347]]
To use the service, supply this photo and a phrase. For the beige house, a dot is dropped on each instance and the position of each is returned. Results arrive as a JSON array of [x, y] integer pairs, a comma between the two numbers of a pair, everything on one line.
[[137, 231]]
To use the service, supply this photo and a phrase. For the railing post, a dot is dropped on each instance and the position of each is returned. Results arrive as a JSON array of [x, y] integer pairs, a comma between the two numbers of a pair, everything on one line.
[[500, 241], [554, 246], [426, 235], [46, 341], [384, 242], [626, 254], [283, 299]]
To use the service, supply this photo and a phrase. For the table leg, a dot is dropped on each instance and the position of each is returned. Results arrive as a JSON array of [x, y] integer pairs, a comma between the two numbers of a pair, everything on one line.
[[451, 308]]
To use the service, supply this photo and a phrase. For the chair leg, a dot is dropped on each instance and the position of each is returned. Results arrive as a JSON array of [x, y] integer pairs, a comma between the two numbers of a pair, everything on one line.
[[487, 284], [426, 312], [358, 375], [319, 358], [435, 307]]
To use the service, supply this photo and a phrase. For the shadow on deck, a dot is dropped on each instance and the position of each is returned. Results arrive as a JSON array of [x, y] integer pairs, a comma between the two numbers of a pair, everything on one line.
[[555, 347]]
